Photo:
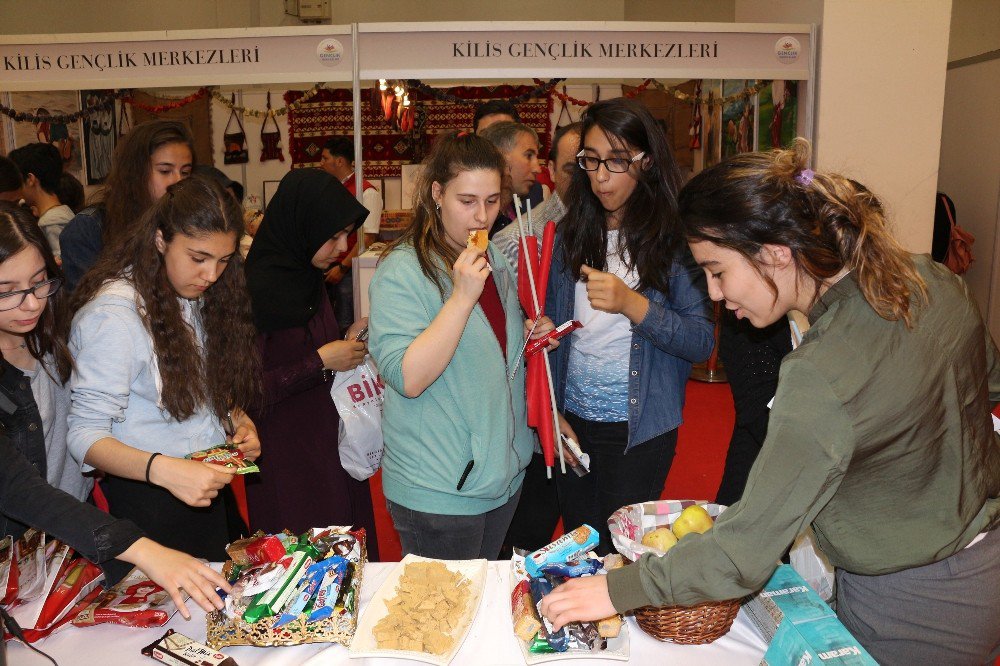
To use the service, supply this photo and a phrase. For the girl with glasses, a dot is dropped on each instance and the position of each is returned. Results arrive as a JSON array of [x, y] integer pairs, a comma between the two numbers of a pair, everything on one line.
[[620, 267], [35, 367], [164, 346]]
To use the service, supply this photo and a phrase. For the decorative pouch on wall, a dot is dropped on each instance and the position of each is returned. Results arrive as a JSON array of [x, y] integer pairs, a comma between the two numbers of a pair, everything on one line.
[[270, 141], [235, 143]]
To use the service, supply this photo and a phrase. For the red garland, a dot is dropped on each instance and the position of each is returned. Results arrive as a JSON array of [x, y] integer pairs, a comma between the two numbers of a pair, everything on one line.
[[174, 104], [579, 102]]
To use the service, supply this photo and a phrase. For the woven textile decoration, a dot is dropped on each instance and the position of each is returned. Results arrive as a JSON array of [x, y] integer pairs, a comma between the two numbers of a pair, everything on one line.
[[385, 149]]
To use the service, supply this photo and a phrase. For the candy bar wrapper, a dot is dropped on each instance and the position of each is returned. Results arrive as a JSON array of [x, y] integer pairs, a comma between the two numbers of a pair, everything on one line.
[[573, 569], [60, 558], [179, 650], [256, 550], [307, 589], [225, 456], [29, 554], [135, 601], [328, 593], [271, 601], [32, 635], [336, 540], [8, 572], [559, 640]]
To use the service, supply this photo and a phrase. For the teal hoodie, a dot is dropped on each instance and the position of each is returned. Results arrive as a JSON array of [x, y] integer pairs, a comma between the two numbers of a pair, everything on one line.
[[470, 413]]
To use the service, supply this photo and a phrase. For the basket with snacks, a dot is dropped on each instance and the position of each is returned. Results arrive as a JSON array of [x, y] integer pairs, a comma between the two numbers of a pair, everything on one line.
[[536, 574], [290, 589], [654, 527]]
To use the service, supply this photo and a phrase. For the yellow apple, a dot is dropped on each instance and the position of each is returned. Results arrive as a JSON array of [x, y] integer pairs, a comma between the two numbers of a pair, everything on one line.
[[692, 519], [661, 538]]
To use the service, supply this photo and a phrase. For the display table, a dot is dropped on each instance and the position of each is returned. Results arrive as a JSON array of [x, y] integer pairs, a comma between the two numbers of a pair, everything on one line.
[[491, 640]]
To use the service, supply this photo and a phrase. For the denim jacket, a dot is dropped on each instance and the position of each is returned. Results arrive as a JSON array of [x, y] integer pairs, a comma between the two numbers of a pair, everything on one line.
[[676, 332]]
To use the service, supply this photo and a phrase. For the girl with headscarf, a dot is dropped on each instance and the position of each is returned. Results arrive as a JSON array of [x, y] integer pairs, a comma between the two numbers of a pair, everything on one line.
[[302, 483]]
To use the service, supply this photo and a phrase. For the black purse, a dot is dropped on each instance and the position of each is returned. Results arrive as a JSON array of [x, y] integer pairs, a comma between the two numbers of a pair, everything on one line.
[[235, 150]]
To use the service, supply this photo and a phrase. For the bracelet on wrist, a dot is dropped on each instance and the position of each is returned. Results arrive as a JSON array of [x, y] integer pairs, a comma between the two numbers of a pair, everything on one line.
[[149, 465]]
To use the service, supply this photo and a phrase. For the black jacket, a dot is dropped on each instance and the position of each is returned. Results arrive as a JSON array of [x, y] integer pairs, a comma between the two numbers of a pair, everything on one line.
[[22, 423], [27, 498]]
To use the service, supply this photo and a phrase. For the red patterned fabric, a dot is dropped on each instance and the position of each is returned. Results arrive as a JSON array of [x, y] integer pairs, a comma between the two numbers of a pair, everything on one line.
[[385, 149]]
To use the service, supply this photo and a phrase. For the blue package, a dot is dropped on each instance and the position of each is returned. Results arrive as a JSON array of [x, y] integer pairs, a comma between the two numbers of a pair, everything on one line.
[[559, 640]]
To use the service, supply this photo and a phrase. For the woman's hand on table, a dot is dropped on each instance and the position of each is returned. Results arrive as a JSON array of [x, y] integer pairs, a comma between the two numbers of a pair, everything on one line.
[[175, 571], [578, 600], [193, 482]]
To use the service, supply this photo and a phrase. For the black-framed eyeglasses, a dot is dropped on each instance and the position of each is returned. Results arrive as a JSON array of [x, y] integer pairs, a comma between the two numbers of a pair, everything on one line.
[[612, 164], [14, 299]]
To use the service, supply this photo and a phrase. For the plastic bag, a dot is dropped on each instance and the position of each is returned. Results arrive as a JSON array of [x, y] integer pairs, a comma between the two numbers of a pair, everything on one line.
[[358, 395], [810, 563]]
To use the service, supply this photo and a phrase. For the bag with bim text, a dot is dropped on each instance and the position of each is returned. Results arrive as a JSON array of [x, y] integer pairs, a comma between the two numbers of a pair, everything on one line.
[[358, 395]]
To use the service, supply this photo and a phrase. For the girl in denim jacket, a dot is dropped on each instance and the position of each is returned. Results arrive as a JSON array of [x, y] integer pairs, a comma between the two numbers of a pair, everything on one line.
[[621, 269]]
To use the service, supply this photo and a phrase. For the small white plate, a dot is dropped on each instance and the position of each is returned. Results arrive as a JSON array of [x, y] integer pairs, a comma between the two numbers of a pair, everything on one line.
[[617, 647], [364, 643]]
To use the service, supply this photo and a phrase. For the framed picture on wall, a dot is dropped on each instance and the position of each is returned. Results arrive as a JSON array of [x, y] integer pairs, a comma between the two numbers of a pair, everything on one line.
[[270, 187]]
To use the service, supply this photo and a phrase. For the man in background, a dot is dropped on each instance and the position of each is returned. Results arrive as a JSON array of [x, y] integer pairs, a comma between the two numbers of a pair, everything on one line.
[[337, 159], [41, 166], [519, 146]]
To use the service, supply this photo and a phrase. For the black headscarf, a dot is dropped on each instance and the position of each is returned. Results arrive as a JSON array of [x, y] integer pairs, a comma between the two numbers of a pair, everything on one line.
[[309, 208]]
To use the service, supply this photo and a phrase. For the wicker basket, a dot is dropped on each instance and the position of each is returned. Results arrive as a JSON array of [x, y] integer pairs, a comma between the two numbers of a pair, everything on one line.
[[689, 625], [223, 631]]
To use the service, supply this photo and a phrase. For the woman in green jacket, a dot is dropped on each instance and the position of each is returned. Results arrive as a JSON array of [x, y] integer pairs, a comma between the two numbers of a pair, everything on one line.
[[879, 436], [446, 328]]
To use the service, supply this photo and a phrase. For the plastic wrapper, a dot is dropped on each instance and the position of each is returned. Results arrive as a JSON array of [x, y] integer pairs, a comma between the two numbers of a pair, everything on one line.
[[225, 456], [77, 579], [308, 588], [29, 552], [135, 601], [256, 550], [559, 640], [271, 601], [179, 650], [570, 546], [8, 572], [329, 591], [573, 569]]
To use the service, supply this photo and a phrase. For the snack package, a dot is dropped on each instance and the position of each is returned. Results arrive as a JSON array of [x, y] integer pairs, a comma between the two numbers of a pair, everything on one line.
[[479, 239], [179, 650], [573, 568], [308, 588], [78, 578], [225, 456], [135, 601], [29, 554], [273, 600], [570, 546], [559, 640], [8, 572], [523, 614], [256, 550], [328, 590]]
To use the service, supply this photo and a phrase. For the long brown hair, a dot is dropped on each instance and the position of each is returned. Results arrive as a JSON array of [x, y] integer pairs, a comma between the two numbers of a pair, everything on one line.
[[452, 154], [829, 222], [227, 374], [125, 195], [18, 230]]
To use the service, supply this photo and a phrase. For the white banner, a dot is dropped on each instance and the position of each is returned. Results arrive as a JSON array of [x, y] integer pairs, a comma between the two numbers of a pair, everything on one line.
[[500, 50], [177, 58]]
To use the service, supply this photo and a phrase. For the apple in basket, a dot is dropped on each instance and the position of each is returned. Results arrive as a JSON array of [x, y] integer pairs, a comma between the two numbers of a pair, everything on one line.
[[692, 519], [661, 538]]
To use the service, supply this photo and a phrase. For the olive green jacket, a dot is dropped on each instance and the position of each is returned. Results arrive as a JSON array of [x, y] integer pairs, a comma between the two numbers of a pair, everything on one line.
[[880, 436]]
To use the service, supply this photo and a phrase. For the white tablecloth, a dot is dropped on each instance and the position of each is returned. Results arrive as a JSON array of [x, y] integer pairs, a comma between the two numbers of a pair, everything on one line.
[[490, 642]]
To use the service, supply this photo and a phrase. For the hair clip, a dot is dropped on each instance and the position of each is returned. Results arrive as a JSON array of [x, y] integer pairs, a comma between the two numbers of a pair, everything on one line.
[[805, 177]]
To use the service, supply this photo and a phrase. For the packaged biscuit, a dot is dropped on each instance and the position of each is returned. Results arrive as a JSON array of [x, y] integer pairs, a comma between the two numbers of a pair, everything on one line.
[[179, 650], [135, 601], [570, 546]]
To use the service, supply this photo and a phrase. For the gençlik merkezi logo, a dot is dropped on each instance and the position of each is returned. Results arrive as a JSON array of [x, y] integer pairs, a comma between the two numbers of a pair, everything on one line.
[[787, 49]]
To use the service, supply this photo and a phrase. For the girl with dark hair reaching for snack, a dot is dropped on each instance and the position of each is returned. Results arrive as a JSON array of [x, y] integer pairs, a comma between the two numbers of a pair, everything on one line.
[[163, 343], [880, 434]]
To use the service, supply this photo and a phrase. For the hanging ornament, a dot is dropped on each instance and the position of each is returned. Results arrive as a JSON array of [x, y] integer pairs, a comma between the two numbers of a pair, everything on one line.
[[695, 128], [270, 141]]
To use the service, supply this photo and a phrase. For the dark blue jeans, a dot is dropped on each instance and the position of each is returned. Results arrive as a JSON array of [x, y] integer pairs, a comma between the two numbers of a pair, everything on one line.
[[448, 537], [616, 478]]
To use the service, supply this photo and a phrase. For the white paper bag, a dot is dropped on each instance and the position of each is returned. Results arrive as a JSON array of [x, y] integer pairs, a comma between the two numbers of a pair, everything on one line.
[[810, 563]]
